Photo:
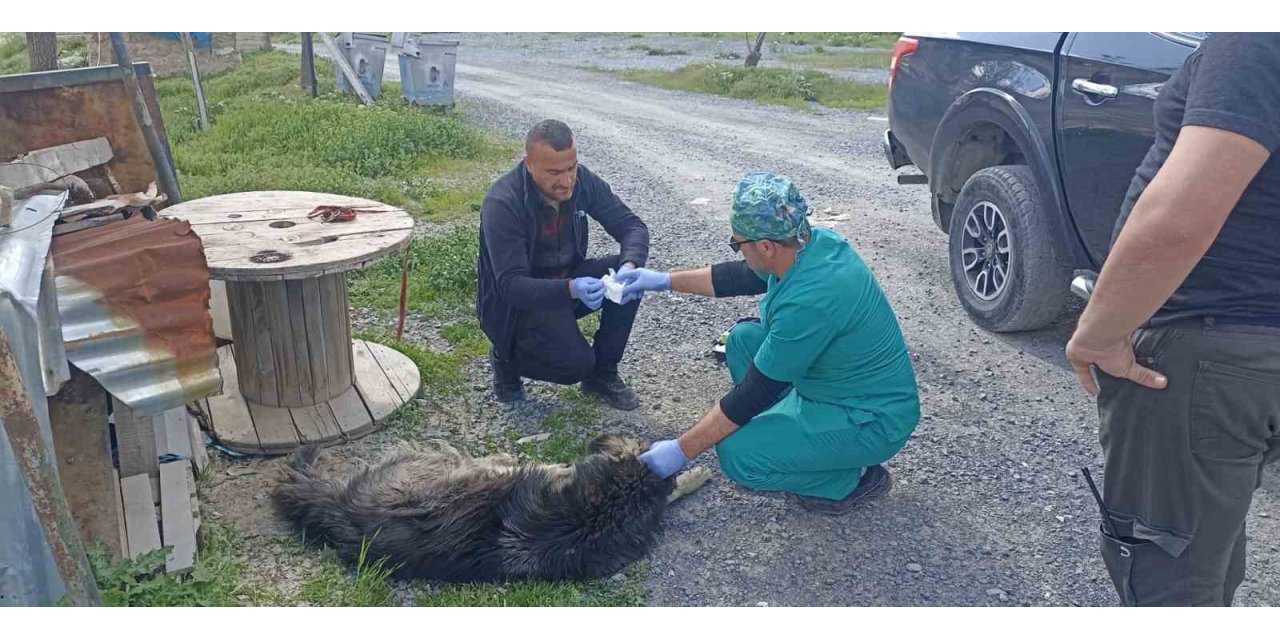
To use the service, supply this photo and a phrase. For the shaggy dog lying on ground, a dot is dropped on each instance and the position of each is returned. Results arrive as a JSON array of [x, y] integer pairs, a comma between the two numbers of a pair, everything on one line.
[[442, 515]]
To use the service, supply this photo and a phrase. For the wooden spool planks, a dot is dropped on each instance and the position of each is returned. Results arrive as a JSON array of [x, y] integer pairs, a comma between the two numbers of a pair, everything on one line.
[[176, 513], [239, 229], [142, 531], [385, 381], [293, 341]]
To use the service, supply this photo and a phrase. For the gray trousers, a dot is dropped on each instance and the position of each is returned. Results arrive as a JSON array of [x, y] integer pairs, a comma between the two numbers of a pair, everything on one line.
[[1182, 463]]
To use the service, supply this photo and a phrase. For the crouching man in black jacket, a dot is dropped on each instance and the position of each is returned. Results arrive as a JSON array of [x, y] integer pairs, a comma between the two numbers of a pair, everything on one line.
[[535, 280]]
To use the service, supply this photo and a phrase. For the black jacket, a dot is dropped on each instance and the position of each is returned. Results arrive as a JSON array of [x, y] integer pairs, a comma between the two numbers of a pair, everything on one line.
[[508, 231]]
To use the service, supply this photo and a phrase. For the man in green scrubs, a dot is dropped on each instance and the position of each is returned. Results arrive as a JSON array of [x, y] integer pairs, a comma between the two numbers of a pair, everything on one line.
[[824, 392]]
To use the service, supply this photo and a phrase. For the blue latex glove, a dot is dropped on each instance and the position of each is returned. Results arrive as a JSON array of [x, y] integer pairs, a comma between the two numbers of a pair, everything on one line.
[[664, 458], [590, 291], [628, 299], [637, 281]]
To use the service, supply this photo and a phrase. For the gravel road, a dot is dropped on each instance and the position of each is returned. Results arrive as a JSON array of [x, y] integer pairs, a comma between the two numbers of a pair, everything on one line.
[[988, 507]]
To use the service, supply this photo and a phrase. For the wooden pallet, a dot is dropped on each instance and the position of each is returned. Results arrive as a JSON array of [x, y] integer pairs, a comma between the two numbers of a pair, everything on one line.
[[160, 507], [176, 524], [117, 506], [385, 380]]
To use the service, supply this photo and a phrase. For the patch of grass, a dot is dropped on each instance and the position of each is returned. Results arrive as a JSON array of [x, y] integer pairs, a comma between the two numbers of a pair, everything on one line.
[[406, 422], [335, 586], [874, 40], [142, 582], [13, 53], [658, 51], [842, 61], [442, 277], [589, 325], [570, 427], [794, 88], [466, 338], [285, 37], [442, 373], [627, 592], [727, 55], [268, 135]]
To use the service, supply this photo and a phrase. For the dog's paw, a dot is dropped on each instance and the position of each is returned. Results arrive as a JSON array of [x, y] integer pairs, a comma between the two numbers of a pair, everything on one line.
[[690, 481]]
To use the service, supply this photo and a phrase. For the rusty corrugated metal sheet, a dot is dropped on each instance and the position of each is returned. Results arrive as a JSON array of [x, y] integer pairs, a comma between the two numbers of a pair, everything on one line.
[[134, 302]]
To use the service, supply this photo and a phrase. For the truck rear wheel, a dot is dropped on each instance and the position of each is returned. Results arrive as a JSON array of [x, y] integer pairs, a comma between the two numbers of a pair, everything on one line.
[[1004, 263]]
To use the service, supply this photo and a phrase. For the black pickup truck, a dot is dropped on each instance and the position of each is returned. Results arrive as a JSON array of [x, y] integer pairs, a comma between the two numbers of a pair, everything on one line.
[[1027, 142]]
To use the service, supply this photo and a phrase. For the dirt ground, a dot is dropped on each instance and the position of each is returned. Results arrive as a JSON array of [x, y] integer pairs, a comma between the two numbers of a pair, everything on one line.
[[988, 506]]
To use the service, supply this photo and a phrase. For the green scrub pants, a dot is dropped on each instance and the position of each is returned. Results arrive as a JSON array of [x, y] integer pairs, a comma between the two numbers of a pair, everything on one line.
[[797, 446]]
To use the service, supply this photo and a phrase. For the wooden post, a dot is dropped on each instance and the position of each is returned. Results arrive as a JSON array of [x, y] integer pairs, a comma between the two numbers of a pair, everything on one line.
[[201, 105], [78, 420], [165, 171], [308, 65], [345, 69], [41, 473]]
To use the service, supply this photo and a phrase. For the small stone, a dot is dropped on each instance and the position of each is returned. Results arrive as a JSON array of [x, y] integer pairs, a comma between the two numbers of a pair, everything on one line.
[[914, 568], [1061, 518], [762, 604], [1264, 514], [698, 202], [996, 592], [618, 577], [534, 438], [480, 387]]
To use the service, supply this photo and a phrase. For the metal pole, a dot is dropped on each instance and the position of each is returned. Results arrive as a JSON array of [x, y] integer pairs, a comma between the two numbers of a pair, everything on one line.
[[42, 480], [308, 65], [159, 152], [201, 106]]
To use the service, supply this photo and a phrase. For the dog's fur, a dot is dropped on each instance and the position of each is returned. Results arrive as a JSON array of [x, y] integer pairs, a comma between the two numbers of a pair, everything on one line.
[[443, 515]]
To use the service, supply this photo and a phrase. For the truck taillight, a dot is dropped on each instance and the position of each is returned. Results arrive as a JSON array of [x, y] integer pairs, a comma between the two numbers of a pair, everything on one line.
[[904, 47]]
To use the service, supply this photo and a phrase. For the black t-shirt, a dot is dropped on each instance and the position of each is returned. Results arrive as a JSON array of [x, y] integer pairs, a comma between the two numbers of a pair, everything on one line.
[[1232, 82], [554, 252]]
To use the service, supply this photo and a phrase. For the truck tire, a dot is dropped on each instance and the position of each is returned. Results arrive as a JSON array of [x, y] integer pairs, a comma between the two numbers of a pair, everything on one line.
[[1004, 261]]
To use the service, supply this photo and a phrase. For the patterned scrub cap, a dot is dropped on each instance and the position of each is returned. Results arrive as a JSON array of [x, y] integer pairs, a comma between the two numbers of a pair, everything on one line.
[[769, 207]]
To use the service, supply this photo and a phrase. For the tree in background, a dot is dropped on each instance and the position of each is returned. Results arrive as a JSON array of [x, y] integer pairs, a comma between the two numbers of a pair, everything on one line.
[[42, 50], [753, 51]]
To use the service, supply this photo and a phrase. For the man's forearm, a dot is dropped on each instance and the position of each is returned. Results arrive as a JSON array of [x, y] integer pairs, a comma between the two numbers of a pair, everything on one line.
[[1146, 266], [709, 431], [697, 282]]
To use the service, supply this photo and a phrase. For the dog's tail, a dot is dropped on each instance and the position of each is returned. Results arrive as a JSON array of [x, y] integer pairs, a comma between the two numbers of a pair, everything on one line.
[[315, 506]]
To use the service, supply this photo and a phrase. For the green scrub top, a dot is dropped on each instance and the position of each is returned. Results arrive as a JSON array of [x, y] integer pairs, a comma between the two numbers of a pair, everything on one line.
[[832, 334]]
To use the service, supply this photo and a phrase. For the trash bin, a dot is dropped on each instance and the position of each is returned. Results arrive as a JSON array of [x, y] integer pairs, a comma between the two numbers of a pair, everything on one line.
[[426, 71], [367, 53]]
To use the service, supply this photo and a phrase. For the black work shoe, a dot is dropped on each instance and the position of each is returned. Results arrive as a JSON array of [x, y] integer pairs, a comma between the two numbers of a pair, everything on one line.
[[507, 387], [875, 483], [610, 389]]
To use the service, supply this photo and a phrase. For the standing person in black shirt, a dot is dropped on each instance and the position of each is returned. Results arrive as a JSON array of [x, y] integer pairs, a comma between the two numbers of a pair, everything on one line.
[[1183, 331]]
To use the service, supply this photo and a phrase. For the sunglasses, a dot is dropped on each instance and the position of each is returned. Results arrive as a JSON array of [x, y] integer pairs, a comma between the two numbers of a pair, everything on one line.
[[736, 245]]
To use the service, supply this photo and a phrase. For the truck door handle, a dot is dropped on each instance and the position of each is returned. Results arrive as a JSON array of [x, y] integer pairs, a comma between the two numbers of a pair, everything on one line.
[[1080, 85]]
